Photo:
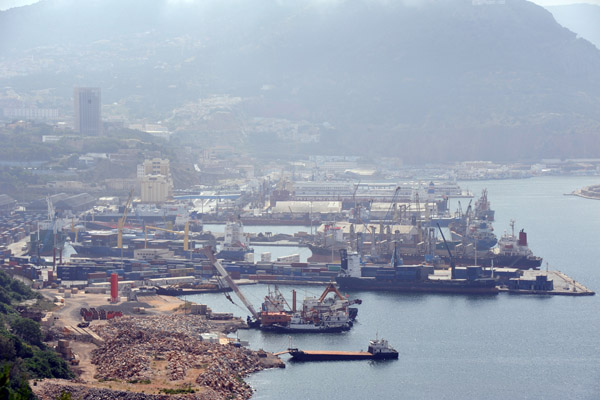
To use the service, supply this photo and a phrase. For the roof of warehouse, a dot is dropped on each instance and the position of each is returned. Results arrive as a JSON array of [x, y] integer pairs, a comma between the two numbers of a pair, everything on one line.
[[78, 200], [308, 207], [42, 204], [6, 200]]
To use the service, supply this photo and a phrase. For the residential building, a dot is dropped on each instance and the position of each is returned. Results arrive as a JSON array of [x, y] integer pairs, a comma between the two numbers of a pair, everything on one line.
[[88, 111]]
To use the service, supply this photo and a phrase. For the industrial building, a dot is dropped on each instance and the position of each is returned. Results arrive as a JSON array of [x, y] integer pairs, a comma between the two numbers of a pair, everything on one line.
[[7, 204]]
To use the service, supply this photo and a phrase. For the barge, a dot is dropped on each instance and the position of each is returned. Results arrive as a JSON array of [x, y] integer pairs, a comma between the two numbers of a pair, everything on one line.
[[379, 349]]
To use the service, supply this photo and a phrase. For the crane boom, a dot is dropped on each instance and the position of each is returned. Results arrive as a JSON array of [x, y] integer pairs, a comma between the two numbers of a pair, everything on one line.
[[185, 234], [452, 266], [122, 220], [225, 275]]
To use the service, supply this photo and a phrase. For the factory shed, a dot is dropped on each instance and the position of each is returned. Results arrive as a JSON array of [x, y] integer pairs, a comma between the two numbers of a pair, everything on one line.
[[7, 203], [77, 203], [42, 204], [308, 207]]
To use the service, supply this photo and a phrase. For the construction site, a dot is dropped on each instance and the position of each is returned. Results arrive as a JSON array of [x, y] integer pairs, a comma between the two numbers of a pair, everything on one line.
[[152, 347]]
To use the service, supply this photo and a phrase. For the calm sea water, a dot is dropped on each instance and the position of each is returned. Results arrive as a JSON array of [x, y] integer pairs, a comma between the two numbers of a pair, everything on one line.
[[457, 346]]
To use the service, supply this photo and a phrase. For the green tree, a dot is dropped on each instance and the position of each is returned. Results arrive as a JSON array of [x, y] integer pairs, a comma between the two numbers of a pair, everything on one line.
[[64, 396], [28, 330], [8, 391], [47, 364], [5, 296], [7, 349], [5, 383]]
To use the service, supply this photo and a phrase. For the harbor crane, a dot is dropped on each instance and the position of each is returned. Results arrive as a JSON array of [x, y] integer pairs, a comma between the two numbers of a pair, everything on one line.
[[452, 265], [185, 234], [227, 278], [122, 220]]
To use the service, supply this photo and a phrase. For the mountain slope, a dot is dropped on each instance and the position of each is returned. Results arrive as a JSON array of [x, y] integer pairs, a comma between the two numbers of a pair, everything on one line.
[[443, 79], [583, 19]]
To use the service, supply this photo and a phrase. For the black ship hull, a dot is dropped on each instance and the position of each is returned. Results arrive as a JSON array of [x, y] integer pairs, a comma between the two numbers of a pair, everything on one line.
[[316, 329], [101, 251], [299, 355], [457, 286], [45, 242]]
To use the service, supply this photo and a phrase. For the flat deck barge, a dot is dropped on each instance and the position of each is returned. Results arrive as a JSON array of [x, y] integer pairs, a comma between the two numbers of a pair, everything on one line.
[[379, 349], [323, 355]]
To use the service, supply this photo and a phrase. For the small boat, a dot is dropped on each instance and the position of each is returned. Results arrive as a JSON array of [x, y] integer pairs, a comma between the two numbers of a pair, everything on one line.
[[379, 349]]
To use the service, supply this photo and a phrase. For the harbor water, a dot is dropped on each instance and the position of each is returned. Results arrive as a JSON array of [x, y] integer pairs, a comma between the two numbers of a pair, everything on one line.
[[458, 346]]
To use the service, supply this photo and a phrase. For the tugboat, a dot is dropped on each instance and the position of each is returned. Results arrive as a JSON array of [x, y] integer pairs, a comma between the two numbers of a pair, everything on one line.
[[379, 349]]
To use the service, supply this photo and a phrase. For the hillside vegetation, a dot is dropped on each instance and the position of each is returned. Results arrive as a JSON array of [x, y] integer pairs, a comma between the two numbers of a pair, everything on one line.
[[23, 355]]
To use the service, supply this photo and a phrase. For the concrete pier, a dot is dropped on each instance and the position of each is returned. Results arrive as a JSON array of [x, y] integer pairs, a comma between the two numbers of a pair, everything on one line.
[[563, 285]]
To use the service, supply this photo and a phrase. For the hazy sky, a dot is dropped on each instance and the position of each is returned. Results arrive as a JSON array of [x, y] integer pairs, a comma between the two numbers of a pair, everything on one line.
[[6, 4]]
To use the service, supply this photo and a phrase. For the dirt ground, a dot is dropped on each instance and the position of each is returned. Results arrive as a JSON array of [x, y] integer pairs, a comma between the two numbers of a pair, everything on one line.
[[68, 314]]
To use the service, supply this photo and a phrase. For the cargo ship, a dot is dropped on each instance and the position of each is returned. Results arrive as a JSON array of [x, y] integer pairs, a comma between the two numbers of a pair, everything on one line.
[[478, 232], [379, 349], [236, 245], [512, 251], [49, 238], [323, 314], [318, 315], [99, 244], [482, 207], [413, 278]]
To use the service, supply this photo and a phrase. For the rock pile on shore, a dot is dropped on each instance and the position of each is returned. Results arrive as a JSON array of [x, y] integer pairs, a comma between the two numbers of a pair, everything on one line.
[[132, 343], [52, 390]]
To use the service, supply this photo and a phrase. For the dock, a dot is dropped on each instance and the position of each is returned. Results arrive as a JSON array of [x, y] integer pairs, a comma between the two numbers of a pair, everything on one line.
[[563, 285]]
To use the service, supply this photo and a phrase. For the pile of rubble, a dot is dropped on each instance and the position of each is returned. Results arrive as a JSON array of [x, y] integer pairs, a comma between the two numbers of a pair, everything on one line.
[[132, 343], [176, 323], [52, 390], [226, 367]]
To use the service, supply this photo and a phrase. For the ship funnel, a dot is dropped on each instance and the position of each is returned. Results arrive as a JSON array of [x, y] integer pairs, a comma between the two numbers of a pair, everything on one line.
[[522, 238]]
